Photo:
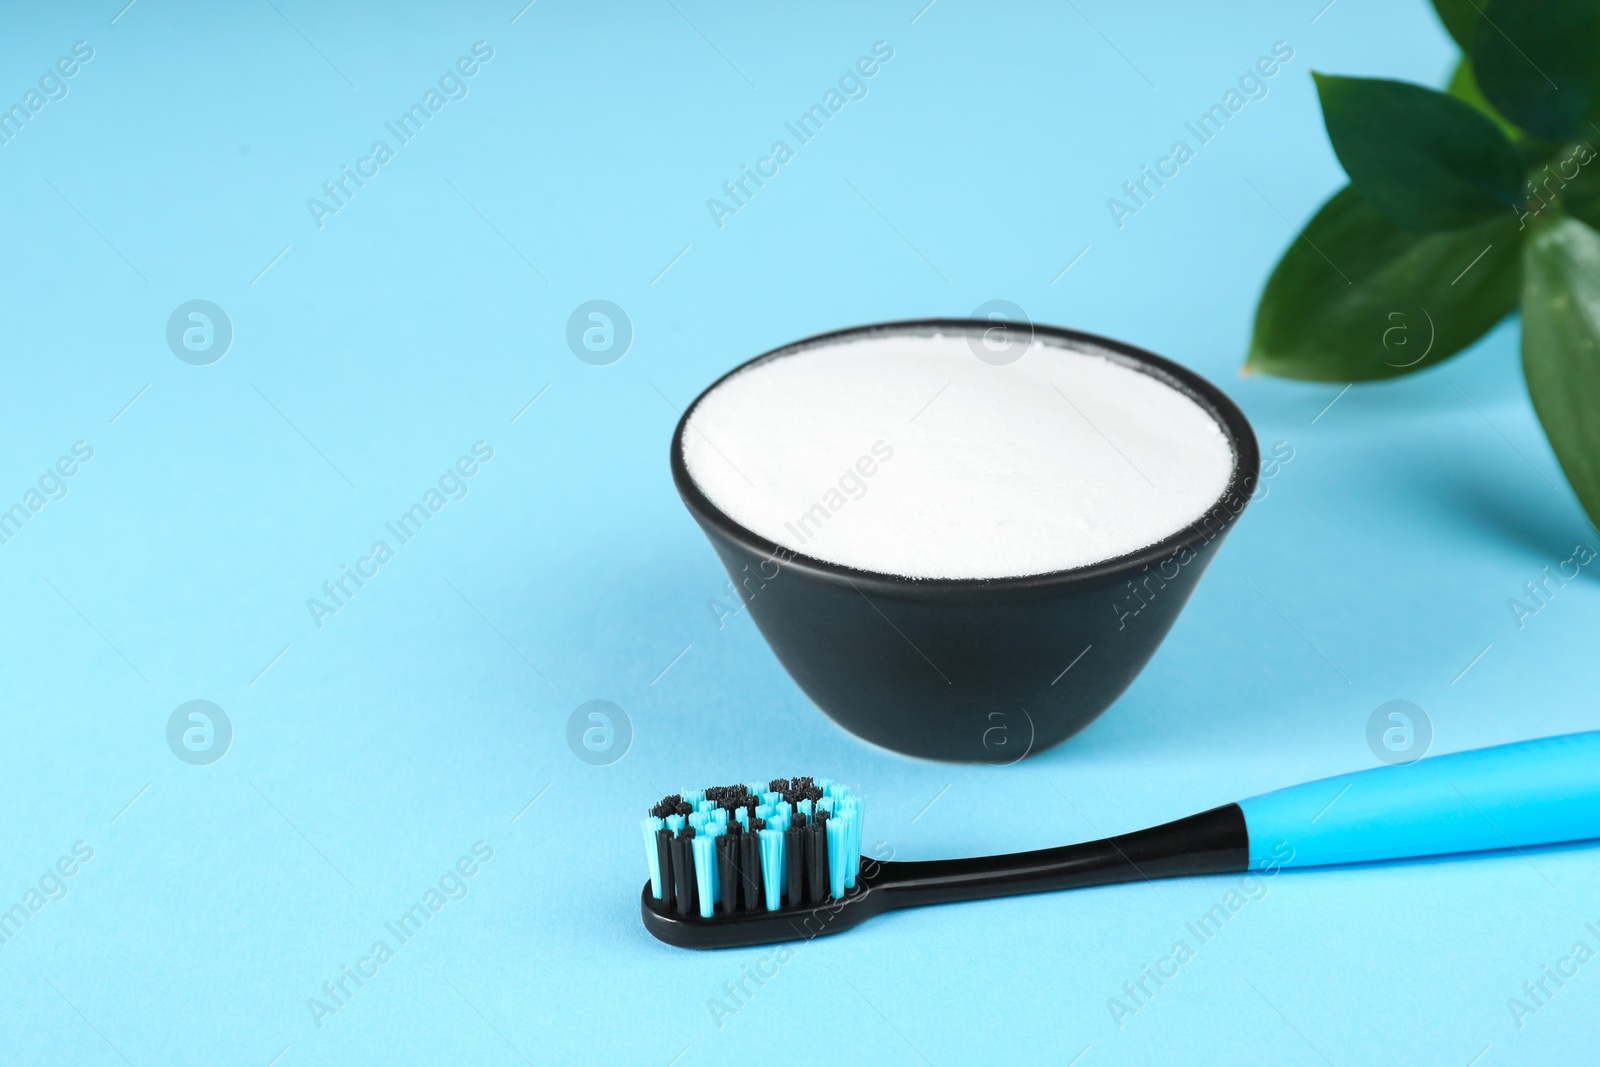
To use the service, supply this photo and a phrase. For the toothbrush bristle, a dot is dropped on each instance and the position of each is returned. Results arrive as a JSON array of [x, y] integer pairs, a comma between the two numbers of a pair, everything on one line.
[[666, 806], [786, 844]]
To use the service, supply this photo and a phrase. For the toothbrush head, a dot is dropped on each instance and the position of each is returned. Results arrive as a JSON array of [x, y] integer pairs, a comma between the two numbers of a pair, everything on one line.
[[753, 864]]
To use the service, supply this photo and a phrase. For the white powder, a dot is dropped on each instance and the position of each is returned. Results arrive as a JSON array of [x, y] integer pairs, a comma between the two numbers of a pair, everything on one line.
[[907, 455]]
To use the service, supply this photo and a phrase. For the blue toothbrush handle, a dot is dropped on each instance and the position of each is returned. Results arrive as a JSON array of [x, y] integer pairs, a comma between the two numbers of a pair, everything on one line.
[[1527, 793]]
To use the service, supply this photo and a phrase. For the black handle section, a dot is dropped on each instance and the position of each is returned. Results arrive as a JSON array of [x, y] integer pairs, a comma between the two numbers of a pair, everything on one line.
[[1212, 842]]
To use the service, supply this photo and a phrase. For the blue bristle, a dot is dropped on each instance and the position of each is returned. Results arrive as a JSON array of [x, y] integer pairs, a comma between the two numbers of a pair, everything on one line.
[[715, 830], [675, 823], [851, 817], [769, 797], [860, 825], [772, 872], [693, 797], [705, 873], [743, 815], [649, 826], [804, 808], [838, 842]]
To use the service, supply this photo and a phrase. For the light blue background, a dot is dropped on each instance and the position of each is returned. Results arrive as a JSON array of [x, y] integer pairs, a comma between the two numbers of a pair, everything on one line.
[[420, 719]]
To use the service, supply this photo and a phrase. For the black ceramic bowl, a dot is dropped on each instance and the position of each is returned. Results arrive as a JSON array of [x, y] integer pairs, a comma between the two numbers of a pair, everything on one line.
[[980, 669]]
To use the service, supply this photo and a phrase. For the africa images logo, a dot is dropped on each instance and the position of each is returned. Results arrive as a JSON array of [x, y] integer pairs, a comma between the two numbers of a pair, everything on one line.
[[199, 733], [199, 332]]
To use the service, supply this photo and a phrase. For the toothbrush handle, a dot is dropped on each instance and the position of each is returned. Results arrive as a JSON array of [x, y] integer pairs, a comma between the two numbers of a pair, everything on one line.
[[1528, 793]]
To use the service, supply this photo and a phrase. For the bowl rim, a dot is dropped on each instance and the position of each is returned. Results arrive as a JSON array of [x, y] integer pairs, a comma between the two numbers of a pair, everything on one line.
[[1209, 525]]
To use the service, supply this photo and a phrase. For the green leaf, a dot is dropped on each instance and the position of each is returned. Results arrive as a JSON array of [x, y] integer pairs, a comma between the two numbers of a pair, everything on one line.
[[1575, 179], [1561, 347], [1358, 298], [1464, 86], [1536, 61], [1426, 160], [1459, 18]]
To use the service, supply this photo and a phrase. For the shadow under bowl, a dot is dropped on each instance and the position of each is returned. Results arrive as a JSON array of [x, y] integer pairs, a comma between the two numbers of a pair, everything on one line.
[[973, 669]]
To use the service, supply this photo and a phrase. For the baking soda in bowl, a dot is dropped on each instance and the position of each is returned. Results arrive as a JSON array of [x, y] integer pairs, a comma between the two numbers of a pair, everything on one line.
[[903, 454]]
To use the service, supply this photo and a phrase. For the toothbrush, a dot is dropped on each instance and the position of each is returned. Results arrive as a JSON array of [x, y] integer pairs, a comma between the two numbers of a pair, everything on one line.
[[758, 864]]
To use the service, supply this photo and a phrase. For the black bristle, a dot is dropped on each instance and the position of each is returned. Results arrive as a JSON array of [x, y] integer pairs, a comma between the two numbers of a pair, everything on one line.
[[730, 797], [814, 850], [823, 888], [683, 871], [750, 872], [667, 806], [728, 871], [664, 861], [793, 862], [778, 785], [808, 849]]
